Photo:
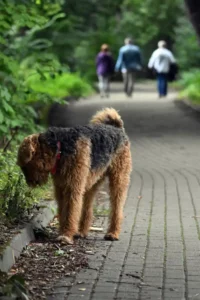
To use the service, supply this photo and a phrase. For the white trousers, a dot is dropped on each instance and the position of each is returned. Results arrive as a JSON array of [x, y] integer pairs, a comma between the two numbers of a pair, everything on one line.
[[104, 84]]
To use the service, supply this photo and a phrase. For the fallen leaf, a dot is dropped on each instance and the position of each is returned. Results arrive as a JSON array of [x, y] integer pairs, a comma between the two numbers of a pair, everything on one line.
[[103, 193], [173, 290], [59, 252], [134, 276], [89, 252], [99, 229]]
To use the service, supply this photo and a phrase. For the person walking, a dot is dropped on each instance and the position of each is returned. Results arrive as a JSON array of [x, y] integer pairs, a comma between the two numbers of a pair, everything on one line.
[[161, 60], [128, 62], [105, 68]]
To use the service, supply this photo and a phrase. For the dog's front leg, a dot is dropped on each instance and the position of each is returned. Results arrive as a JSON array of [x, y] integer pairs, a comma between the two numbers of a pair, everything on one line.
[[87, 210], [70, 208], [74, 180], [63, 200]]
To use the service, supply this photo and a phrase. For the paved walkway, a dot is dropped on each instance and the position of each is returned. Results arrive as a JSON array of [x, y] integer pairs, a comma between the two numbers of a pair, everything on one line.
[[158, 254]]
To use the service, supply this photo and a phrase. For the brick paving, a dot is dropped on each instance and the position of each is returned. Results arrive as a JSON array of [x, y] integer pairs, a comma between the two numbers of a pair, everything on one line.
[[158, 254]]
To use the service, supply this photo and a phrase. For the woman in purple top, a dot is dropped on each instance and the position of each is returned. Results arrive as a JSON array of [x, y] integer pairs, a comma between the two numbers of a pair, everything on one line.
[[105, 68]]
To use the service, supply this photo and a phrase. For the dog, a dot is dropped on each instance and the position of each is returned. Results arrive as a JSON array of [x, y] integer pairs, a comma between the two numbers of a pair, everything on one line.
[[79, 159]]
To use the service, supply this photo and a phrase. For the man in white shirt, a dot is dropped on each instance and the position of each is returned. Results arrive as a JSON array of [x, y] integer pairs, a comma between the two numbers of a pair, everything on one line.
[[160, 61]]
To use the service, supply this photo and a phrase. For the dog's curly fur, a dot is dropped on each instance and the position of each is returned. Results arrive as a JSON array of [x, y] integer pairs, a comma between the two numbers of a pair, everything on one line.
[[89, 154]]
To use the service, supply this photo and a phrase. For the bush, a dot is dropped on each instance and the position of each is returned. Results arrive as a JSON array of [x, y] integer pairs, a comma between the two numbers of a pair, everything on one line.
[[59, 85], [189, 84], [20, 49], [16, 198], [186, 45]]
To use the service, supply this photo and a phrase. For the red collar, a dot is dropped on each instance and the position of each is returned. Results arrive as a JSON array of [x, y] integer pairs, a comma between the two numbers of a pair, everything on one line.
[[58, 154]]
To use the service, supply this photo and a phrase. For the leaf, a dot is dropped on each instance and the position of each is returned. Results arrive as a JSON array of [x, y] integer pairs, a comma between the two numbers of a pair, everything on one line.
[[5, 94], [1, 117], [89, 252], [31, 111], [98, 229], [3, 128], [15, 123], [2, 41], [7, 107], [59, 252]]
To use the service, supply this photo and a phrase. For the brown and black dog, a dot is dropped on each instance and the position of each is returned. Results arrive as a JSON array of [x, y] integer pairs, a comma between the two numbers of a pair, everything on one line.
[[80, 158]]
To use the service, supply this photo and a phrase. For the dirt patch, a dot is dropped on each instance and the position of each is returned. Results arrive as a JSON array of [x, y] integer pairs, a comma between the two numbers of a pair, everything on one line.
[[45, 261]]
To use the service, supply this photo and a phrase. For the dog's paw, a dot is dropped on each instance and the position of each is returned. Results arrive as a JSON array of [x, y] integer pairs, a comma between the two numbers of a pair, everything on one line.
[[79, 236], [65, 239], [111, 237]]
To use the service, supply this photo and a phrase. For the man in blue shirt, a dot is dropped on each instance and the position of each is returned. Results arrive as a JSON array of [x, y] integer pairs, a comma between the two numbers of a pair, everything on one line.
[[129, 61]]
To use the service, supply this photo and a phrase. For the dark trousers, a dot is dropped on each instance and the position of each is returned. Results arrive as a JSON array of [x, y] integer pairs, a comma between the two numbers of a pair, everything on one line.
[[162, 84], [129, 78]]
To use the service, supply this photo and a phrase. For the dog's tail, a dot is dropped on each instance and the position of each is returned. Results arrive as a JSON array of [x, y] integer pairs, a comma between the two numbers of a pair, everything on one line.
[[108, 116]]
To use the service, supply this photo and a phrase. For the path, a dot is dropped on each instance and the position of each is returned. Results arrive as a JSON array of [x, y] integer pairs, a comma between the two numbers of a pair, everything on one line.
[[158, 254]]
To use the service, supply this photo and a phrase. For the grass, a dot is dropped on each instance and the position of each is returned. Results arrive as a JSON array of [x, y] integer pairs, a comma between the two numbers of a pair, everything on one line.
[[189, 86]]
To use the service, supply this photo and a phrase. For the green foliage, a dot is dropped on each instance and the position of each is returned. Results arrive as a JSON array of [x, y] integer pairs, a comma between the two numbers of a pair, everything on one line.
[[13, 288], [18, 24], [187, 48], [110, 22], [59, 85], [24, 56], [15, 113], [190, 83], [187, 52], [149, 21], [16, 198]]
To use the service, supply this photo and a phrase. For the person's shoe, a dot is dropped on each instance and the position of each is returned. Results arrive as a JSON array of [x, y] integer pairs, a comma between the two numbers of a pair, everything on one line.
[[129, 94], [162, 96]]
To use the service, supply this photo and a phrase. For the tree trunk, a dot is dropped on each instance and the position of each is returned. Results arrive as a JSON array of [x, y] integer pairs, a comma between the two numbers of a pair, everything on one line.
[[194, 13]]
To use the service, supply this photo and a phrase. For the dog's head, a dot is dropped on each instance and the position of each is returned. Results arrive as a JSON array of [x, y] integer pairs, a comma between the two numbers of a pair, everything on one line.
[[35, 160]]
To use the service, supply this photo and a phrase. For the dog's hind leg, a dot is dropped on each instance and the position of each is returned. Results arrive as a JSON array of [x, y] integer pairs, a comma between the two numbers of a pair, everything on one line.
[[119, 177], [87, 210], [73, 184]]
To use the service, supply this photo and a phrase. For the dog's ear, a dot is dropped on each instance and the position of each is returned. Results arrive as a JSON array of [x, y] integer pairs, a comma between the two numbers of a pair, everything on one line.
[[27, 149]]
